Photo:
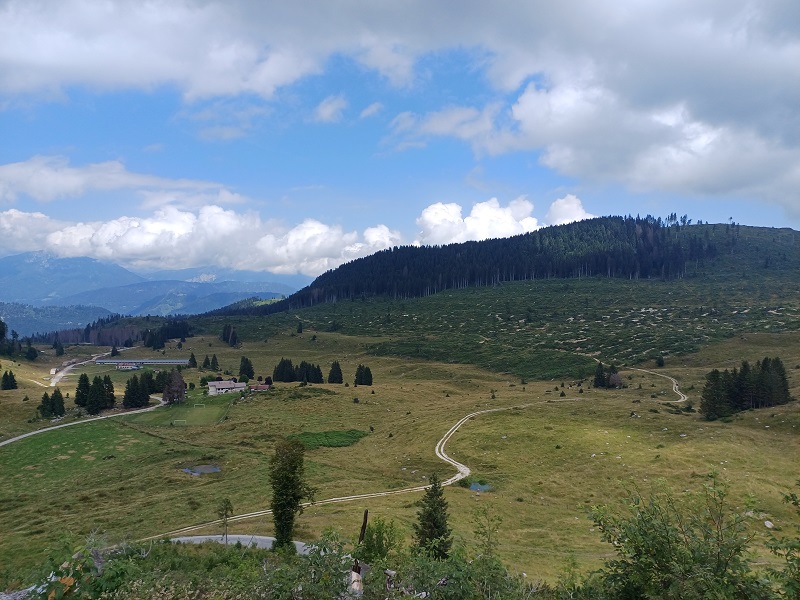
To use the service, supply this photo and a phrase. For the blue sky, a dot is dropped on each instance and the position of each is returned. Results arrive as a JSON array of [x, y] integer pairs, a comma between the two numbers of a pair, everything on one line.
[[292, 137]]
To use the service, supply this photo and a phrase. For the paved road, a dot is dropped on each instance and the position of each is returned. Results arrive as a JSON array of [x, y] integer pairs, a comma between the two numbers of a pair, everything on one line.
[[63, 372]]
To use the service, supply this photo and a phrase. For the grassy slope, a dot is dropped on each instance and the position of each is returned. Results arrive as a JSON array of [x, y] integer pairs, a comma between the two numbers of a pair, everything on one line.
[[423, 354], [59, 482]]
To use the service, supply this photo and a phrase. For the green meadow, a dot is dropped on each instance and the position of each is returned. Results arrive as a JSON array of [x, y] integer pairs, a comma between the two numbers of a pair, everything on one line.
[[434, 360]]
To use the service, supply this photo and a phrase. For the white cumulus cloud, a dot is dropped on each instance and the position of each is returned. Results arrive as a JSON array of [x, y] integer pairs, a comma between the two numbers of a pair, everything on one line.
[[330, 109], [175, 238], [566, 210], [443, 223], [49, 178]]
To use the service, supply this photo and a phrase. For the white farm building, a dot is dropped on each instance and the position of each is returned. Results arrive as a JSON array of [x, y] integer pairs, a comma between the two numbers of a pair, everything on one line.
[[222, 387]]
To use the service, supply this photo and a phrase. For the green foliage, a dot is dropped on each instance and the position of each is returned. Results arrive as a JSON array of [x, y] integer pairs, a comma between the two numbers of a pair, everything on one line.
[[192, 361], [382, 540], [329, 439], [52, 405], [214, 365], [335, 374], [307, 372], [82, 391], [487, 529], [45, 408], [175, 388], [99, 397], [246, 368], [9, 382], [761, 386], [431, 532], [670, 551], [169, 329], [788, 549], [289, 489], [363, 375], [135, 396], [224, 512]]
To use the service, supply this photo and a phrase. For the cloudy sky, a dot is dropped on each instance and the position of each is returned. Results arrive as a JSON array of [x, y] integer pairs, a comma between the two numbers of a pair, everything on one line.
[[293, 136]]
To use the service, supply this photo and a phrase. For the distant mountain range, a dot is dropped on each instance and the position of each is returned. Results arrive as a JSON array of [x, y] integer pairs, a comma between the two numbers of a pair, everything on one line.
[[40, 292]]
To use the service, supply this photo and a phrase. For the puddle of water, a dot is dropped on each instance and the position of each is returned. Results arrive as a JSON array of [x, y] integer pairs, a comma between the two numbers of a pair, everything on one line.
[[201, 470], [479, 487]]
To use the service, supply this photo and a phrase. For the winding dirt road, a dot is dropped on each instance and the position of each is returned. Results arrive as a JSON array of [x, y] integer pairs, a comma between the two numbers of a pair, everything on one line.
[[462, 472], [675, 387]]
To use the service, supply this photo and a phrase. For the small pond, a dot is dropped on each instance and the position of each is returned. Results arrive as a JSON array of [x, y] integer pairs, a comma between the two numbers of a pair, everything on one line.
[[479, 487], [201, 470]]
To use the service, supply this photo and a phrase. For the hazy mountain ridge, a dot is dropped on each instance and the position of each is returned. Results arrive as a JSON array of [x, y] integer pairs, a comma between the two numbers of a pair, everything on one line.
[[170, 297], [28, 320], [39, 278], [35, 284]]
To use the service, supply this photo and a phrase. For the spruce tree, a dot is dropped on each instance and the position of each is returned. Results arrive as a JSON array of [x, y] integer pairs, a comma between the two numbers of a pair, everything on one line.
[[192, 361], [131, 398], [363, 375], [284, 371], [45, 409], [147, 382], [108, 386], [206, 362], [97, 397], [57, 403], [12, 381], [335, 374], [431, 533], [599, 376], [160, 382], [82, 391], [713, 401], [246, 368], [214, 363]]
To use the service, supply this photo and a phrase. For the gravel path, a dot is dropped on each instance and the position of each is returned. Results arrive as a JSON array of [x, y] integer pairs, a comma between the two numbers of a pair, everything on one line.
[[462, 472], [82, 421], [675, 387]]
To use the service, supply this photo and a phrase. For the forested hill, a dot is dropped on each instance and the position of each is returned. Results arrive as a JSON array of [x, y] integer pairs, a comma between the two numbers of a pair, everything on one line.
[[614, 247]]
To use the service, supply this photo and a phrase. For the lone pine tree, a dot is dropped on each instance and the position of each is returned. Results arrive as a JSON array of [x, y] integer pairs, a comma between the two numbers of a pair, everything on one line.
[[431, 533], [289, 489]]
